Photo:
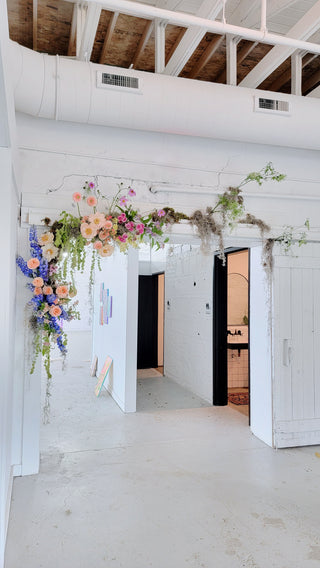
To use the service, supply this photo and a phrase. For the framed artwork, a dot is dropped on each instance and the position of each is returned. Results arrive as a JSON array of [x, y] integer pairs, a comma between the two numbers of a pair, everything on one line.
[[105, 304], [93, 368], [103, 375]]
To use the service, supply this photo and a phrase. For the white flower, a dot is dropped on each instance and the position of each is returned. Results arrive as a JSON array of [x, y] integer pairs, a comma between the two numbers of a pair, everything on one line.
[[49, 251], [46, 238]]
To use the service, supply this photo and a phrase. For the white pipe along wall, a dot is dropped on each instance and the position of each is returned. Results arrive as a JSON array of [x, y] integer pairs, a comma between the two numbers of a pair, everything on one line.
[[65, 89]]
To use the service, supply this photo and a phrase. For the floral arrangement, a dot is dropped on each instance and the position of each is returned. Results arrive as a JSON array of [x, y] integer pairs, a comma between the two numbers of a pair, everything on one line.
[[62, 248], [106, 223], [51, 296]]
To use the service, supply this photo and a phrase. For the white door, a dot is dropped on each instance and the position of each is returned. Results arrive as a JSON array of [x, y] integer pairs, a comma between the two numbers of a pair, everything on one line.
[[296, 348]]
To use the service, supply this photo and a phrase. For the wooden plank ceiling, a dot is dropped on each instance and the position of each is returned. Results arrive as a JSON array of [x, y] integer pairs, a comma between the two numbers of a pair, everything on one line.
[[49, 26]]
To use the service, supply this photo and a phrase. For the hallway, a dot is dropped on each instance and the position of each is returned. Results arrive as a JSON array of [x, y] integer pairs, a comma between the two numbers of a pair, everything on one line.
[[163, 489]]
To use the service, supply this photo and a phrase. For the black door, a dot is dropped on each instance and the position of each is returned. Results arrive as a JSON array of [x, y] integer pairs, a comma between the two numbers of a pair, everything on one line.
[[220, 362], [148, 322]]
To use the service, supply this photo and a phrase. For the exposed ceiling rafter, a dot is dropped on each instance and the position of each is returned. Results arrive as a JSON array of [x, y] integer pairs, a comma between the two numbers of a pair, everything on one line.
[[304, 28], [142, 44], [286, 76], [209, 9], [108, 36], [89, 31], [206, 56]]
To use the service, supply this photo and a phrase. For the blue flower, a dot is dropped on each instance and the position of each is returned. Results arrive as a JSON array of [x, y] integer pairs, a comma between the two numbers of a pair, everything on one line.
[[24, 267]]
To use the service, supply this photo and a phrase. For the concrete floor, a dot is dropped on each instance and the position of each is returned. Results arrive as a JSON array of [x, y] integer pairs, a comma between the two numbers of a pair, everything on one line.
[[188, 488]]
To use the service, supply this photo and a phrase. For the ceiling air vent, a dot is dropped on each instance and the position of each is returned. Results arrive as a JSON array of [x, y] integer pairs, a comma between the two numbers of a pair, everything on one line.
[[273, 106], [118, 82]]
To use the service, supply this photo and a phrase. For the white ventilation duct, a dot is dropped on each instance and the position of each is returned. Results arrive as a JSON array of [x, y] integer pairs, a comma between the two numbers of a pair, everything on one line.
[[65, 89]]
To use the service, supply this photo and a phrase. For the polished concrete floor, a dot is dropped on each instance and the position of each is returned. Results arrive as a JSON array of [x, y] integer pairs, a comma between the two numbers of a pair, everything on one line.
[[187, 488]]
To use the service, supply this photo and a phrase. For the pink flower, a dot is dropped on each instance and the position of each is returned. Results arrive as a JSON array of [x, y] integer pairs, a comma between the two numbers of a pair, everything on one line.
[[62, 291], [37, 291], [131, 192], [55, 311], [91, 185], [161, 213], [123, 237], [122, 218], [123, 201], [129, 226], [47, 290], [33, 263], [85, 218], [97, 245], [77, 196], [108, 225], [103, 235], [91, 200], [37, 282], [140, 228], [88, 231]]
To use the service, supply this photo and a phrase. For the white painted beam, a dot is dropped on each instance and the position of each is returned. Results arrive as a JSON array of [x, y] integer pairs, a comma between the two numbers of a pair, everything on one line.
[[232, 43], [296, 74], [192, 38], [89, 31], [73, 30], [81, 18], [186, 20], [108, 37], [160, 38], [35, 25], [302, 30]]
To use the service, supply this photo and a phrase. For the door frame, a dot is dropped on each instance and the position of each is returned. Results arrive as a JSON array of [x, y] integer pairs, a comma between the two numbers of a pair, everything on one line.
[[220, 324]]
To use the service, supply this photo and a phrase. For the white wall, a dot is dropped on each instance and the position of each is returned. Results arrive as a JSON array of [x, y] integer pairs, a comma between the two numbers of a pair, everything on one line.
[[7, 295], [260, 350], [61, 156], [118, 338], [188, 327], [9, 203]]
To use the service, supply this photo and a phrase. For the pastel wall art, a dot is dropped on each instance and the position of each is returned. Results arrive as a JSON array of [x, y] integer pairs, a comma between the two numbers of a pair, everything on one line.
[[103, 375], [105, 305]]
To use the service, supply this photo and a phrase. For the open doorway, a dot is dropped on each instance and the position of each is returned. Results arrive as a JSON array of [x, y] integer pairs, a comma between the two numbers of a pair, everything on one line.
[[231, 380], [174, 284], [150, 323]]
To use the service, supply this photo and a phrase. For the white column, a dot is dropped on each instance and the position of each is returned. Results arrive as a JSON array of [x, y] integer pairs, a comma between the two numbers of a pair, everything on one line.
[[232, 43], [296, 74], [160, 40]]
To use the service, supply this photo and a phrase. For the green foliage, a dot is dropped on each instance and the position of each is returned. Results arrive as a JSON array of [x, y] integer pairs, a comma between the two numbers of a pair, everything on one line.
[[268, 173]]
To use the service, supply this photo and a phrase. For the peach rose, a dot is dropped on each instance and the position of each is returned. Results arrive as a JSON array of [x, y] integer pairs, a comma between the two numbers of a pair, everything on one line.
[[33, 263], [97, 245], [37, 291], [37, 282], [47, 290], [106, 250], [55, 311], [62, 291], [91, 200]]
